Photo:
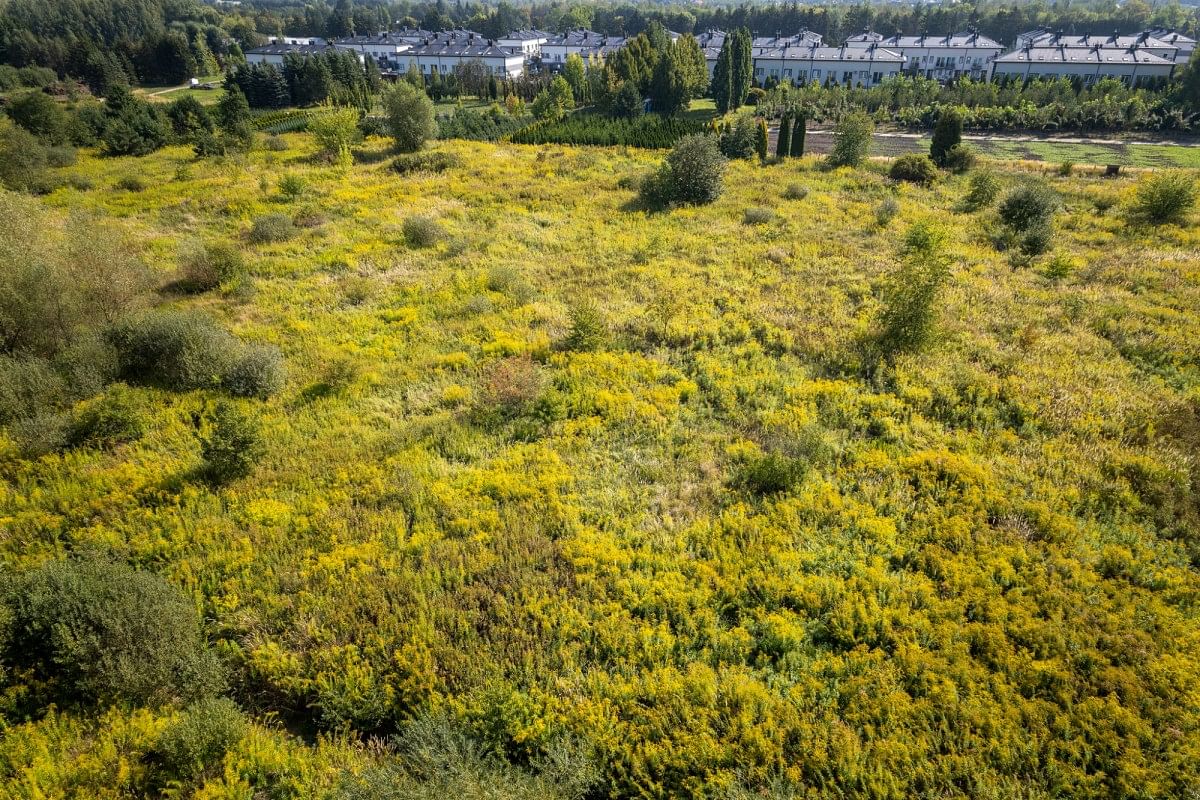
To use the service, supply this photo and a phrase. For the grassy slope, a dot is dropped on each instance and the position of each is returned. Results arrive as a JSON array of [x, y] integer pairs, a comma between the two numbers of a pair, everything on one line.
[[975, 587]]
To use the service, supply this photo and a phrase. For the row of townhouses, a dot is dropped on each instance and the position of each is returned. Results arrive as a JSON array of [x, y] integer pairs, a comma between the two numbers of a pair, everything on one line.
[[864, 59]]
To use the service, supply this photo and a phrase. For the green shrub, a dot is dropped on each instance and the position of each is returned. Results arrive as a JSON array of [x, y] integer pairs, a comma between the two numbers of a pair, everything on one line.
[[1165, 197], [409, 116], [130, 183], [738, 141], [769, 473], [886, 211], [436, 161], [691, 174], [422, 231], [757, 216], [914, 168], [906, 320], [1036, 239], [40, 114], [61, 156], [22, 158], [97, 632], [795, 191], [982, 191], [114, 418], [257, 372], [275, 143], [232, 445], [851, 140], [947, 135], [197, 742], [1027, 206], [272, 228], [1066, 169], [647, 131], [175, 349], [206, 267], [588, 331], [291, 186], [29, 386], [960, 158]]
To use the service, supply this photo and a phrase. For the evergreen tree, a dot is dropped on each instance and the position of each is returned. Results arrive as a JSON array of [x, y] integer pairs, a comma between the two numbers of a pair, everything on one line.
[[233, 117], [762, 140], [741, 69], [691, 62], [668, 89], [413, 76], [798, 131], [722, 86], [627, 104], [947, 133], [575, 75], [783, 147]]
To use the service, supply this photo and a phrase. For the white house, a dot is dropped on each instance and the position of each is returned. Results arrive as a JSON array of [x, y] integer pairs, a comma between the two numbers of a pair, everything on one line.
[[528, 43], [944, 58], [711, 42], [1133, 65], [1043, 37], [583, 42], [382, 47], [763, 44], [446, 58], [1185, 45], [848, 65]]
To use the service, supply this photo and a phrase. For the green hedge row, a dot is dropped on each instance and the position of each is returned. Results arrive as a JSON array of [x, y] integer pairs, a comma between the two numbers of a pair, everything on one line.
[[650, 131]]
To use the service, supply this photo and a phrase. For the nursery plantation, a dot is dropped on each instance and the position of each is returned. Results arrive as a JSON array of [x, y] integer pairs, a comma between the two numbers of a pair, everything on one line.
[[503, 470]]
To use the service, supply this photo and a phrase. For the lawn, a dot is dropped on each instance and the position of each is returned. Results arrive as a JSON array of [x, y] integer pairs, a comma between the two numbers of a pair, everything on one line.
[[716, 552], [168, 94]]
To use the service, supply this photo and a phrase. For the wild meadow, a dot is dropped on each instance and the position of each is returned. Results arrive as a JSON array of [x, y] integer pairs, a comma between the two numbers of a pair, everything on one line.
[[558, 497]]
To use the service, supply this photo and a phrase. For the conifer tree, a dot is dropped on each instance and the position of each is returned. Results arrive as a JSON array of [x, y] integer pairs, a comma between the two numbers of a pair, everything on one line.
[[762, 141], [722, 87], [783, 147], [798, 131]]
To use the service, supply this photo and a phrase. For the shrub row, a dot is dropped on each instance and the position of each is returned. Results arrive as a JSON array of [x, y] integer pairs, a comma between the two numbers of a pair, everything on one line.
[[483, 126], [649, 131]]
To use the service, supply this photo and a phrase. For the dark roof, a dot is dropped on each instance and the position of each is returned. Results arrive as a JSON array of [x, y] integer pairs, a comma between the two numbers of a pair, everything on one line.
[[815, 52], [527, 35], [1082, 55], [284, 49]]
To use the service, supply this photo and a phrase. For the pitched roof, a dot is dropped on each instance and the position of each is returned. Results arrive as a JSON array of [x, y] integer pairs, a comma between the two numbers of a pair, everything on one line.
[[1047, 38], [585, 38], [954, 40], [1082, 55], [280, 49], [527, 35], [459, 50], [815, 52]]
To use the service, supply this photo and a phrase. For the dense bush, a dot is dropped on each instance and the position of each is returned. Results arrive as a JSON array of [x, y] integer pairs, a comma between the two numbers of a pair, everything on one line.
[[291, 186], [232, 445], [22, 158], [38, 113], [947, 135], [795, 191], [205, 267], [91, 631], [1165, 197], [914, 168], [272, 228], [257, 371], [423, 231], [114, 418], [769, 473], [178, 350], [589, 331], [886, 211], [851, 140], [906, 320], [983, 190], [63, 156], [196, 743], [648, 131], [436, 161], [488, 126], [960, 158], [691, 174], [739, 139], [757, 215], [408, 112], [1030, 205]]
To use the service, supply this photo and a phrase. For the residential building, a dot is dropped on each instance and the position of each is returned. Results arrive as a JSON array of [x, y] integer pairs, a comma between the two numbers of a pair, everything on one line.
[[763, 44], [944, 58], [448, 57], [1185, 45], [585, 43], [1043, 37], [275, 52], [1133, 65], [849, 65], [528, 43]]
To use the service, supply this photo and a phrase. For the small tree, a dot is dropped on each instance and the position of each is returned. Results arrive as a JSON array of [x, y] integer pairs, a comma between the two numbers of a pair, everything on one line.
[[575, 75], [38, 113], [22, 157], [335, 132], [1165, 197], [233, 117], [409, 116], [798, 131], [914, 168], [553, 102], [691, 174], [906, 321], [233, 444], [851, 140], [783, 146], [761, 139], [947, 134]]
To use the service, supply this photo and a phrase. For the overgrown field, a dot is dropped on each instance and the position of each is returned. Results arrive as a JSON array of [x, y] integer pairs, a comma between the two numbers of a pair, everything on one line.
[[612, 504]]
